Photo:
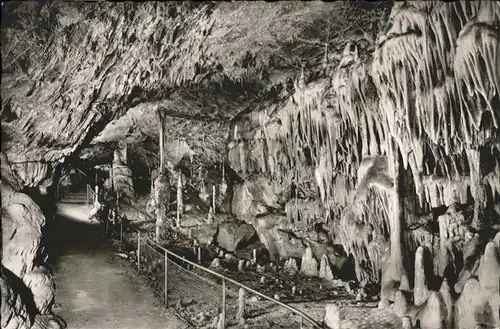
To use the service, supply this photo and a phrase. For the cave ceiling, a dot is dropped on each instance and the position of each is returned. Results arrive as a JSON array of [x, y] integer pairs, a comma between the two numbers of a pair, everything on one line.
[[84, 78]]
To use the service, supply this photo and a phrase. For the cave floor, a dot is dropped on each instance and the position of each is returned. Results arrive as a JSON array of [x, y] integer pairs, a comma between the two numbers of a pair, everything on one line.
[[96, 288]]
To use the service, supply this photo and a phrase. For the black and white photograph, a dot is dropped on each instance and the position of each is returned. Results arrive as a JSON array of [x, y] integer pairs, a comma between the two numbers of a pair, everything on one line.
[[250, 165]]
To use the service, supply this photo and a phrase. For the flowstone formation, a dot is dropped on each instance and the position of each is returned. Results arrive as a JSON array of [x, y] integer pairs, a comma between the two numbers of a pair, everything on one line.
[[28, 290], [401, 141]]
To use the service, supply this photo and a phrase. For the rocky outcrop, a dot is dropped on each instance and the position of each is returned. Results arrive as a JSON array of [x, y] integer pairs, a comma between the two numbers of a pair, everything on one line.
[[14, 311], [22, 221], [43, 287], [232, 236], [279, 241], [27, 284]]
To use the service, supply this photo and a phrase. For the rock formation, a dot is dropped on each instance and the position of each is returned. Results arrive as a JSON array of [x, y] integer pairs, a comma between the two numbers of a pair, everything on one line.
[[13, 308], [231, 236], [309, 265], [385, 141], [43, 288], [325, 271], [27, 289], [122, 175]]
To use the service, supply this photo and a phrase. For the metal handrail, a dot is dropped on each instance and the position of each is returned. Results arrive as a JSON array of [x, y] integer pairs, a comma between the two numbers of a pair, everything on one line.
[[92, 195], [58, 189], [290, 308]]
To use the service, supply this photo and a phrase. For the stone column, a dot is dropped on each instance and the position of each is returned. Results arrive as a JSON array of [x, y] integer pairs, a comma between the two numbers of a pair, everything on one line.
[[162, 201]]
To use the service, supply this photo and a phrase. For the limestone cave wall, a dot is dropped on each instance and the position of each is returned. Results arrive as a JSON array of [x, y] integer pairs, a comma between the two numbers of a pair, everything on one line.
[[420, 102]]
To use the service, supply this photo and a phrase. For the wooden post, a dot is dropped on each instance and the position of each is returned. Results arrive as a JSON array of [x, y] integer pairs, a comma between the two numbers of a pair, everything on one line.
[[138, 251], [166, 278], [96, 193], [199, 254], [223, 303]]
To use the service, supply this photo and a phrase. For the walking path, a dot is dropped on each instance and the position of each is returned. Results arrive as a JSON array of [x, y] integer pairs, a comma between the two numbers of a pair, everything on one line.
[[96, 289]]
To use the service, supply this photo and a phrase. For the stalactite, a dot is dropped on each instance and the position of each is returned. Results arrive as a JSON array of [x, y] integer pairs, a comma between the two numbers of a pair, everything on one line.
[[401, 99]]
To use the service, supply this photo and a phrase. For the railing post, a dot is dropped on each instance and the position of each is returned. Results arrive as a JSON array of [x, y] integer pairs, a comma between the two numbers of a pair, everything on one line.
[[223, 303], [166, 279], [121, 230], [138, 251], [301, 322]]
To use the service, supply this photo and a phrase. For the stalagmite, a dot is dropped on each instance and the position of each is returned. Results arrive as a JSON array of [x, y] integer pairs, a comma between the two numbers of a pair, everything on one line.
[[433, 315], [420, 291], [180, 205], [394, 267], [309, 265], [215, 263], [448, 300], [291, 267], [325, 271], [241, 265], [210, 216], [241, 307], [401, 304], [405, 283], [406, 323], [332, 316]]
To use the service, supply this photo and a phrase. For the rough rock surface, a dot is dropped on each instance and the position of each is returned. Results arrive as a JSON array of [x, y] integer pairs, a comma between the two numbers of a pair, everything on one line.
[[315, 151], [43, 288], [22, 221], [232, 236], [14, 312]]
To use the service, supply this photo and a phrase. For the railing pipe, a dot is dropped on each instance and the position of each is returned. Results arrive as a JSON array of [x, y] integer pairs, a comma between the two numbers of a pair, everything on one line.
[[288, 307], [166, 279], [223, 303], [138, 251]]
